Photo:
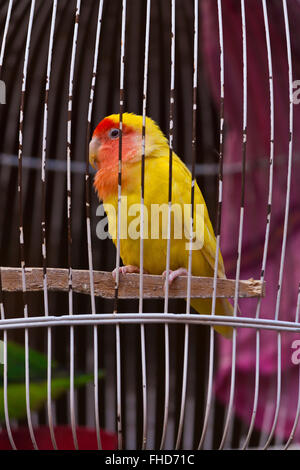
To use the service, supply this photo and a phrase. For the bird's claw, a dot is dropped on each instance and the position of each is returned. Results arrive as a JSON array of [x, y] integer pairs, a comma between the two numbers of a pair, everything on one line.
[[125, 270], [174, 274]]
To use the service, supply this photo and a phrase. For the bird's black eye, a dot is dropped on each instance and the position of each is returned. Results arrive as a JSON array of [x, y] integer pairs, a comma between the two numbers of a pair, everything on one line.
[[114, 133]]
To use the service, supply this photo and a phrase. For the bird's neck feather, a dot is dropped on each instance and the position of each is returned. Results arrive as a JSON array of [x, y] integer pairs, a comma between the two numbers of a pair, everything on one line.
[[106, 180]]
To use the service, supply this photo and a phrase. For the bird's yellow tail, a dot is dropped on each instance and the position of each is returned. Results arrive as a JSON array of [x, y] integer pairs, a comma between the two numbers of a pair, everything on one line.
[[223, 307]]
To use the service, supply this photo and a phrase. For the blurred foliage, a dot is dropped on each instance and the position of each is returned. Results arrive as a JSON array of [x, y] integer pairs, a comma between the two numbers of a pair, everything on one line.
[[16, 390]]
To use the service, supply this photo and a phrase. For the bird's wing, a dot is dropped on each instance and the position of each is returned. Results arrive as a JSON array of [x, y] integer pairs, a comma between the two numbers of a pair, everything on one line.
[[181, 187]]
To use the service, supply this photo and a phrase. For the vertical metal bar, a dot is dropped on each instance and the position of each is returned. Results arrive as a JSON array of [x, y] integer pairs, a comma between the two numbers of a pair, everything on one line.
[[43, 221], [5, 391], [2, 312], [69, 221], [278, 393], [268, 221], [118, 339], [171, 127], [193, 183], [241, 225], [21, 230], [292, 434], [88, 222], [143, 345], [6, 26], [5, 394], [286, 217], [218, 230]]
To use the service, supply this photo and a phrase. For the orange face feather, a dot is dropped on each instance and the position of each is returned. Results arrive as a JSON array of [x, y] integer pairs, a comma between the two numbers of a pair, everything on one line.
[[104, 154], [104, 151]]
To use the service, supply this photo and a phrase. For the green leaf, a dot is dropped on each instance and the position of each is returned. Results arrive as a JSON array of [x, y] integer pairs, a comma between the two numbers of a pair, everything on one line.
[[16, 364], [38, 394]]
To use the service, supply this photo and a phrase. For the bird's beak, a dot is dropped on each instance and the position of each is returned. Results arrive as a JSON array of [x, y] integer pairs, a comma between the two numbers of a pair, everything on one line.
[[93, 152]]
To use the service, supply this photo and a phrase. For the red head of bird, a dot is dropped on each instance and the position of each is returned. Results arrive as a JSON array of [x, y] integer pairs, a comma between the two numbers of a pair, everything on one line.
[[104, 148]]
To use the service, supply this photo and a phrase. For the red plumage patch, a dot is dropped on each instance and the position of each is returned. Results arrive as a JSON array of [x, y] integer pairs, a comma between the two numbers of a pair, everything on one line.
[[107, 123], [104, 126]]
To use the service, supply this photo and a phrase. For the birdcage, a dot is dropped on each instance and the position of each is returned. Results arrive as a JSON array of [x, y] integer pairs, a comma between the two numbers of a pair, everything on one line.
[[140, 369]]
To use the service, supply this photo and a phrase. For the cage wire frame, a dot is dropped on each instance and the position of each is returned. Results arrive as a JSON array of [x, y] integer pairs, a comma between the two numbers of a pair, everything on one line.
[[165, 318]]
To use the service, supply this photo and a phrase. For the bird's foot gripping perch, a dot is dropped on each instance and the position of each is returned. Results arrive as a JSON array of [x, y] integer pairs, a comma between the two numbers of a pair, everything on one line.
[[174, 274], [126, 270]]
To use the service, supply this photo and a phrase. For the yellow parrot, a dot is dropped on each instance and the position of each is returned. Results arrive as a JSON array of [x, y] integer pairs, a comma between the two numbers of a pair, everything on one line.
[[104, 156]]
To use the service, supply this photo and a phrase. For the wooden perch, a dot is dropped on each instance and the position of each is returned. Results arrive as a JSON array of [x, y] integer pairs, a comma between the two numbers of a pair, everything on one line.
[[57, 280]]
